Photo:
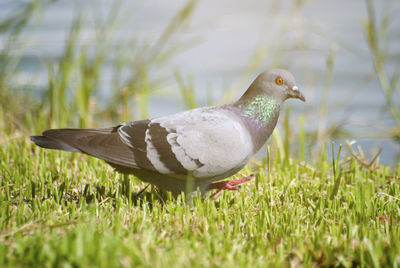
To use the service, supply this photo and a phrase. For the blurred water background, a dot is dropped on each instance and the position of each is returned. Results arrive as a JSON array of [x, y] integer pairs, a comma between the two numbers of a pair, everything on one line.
[[214, 51]]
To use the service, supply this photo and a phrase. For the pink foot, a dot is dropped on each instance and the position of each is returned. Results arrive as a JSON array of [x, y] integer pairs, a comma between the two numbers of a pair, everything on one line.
[[227, 185]]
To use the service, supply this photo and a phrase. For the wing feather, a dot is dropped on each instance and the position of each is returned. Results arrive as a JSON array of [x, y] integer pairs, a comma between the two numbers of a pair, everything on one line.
[[205, 141]]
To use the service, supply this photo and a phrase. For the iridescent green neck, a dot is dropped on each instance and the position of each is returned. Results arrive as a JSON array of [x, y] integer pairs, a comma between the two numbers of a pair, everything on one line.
[[262, 108]]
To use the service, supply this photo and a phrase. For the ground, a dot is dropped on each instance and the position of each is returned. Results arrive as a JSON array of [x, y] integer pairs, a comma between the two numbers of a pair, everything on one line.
[[68, 210]]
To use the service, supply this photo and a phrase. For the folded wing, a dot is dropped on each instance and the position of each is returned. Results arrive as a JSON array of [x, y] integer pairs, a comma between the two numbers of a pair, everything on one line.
[[206, 142]]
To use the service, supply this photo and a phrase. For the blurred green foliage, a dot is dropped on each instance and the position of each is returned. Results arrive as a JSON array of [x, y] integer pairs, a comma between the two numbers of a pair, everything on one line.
[[74, 78], [72, 95]]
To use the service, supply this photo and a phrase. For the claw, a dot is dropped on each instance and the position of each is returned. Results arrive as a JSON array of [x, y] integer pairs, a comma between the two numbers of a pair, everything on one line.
[[227, 185]]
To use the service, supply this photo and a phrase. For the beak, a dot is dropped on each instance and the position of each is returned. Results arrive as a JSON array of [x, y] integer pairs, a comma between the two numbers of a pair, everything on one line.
[[294, 92]]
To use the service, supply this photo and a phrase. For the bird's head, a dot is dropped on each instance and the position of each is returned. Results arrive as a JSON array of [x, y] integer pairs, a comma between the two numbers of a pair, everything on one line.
[[277, 83]]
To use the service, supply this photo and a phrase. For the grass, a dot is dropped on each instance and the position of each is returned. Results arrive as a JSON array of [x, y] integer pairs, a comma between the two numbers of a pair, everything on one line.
[[377, 39], [60, 209], [305, 207]]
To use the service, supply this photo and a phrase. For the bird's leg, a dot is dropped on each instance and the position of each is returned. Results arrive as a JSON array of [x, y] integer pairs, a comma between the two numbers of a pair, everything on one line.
[[227, 185]]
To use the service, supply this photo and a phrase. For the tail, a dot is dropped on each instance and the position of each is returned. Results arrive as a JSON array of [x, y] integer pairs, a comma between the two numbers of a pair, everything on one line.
[[71, 139], [49, 143], [103, 143]]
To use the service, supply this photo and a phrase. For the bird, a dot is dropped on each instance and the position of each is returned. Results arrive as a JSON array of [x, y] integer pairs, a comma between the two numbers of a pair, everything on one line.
[[190, 151]]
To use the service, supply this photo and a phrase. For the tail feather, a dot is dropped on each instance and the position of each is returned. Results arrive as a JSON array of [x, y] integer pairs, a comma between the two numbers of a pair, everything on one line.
[[103, 143], [50, 143]]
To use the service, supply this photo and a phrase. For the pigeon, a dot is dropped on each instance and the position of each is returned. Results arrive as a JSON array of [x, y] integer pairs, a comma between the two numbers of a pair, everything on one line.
[[191, 150]]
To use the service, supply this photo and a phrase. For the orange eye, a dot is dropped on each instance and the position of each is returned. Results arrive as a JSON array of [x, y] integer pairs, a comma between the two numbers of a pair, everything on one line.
[[279, 81]]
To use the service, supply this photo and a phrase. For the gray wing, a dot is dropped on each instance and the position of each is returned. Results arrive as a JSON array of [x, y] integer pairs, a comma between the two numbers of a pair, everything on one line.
[[206, 141]]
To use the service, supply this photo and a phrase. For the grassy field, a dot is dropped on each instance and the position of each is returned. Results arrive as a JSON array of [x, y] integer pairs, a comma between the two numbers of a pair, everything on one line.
[[304, 208], [60, 209]]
